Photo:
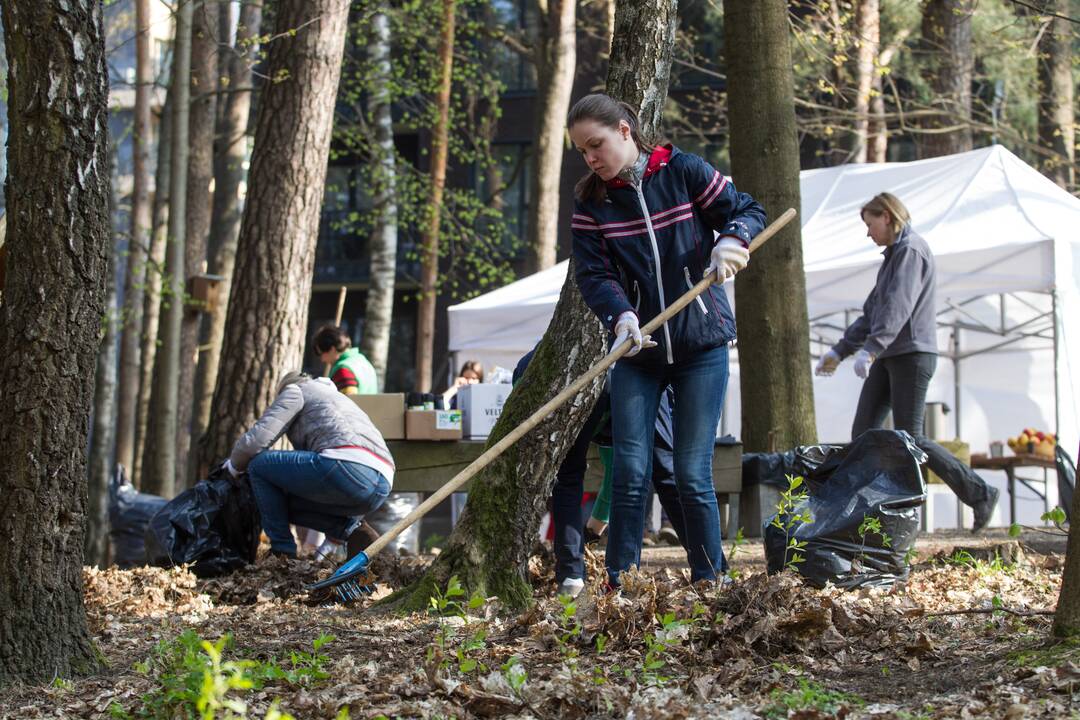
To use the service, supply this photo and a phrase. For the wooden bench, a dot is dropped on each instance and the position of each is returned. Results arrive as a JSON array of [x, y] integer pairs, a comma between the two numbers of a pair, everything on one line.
[[425, 466]]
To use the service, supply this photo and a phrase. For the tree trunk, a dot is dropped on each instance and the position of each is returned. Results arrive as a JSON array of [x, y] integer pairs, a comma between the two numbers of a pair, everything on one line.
[[58, 245], [877, 143], [229, 156], [138, 245], [429, 258], [867, 39], [879, 131], [1067, 615], [490, 547], [379, 311], [770, 295], [155, 270], [946, 29], [1057, 121], [103, 432], [204, 85], [161, 478], [556, 57], [267, 316]]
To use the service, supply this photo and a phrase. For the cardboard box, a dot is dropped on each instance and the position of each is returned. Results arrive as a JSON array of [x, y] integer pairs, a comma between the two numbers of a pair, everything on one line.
[[433, 424], [387, 412], [481, 405]]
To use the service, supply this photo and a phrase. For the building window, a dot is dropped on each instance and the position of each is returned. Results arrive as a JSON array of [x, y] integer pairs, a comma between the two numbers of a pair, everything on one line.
[[515, 71], [506, 185]]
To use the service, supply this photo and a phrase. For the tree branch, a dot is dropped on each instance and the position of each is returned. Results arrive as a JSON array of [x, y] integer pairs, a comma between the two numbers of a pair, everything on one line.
[[1041, 11], [987, 611]]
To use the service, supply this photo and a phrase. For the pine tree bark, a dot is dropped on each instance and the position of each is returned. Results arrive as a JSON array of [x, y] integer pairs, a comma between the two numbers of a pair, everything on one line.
[[556, 58], [379, 310], [1057, 111], [201, 131], [490, 546], [135, 277], [58, 241], [429, 258], [946, 29], [867, 40], [161, 478], [770, 294], [155, 269], [266, 322], [230, 152]]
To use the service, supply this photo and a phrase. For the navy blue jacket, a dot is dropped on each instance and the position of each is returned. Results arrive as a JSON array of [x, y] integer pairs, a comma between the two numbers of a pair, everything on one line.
[[614, 256]]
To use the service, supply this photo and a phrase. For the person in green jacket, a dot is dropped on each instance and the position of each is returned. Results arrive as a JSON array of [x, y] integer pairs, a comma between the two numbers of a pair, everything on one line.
[[351, 372]]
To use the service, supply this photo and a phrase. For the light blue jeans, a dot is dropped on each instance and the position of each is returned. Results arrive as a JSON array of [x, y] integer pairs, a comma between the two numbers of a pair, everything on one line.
[[305, 488], [699, 384]]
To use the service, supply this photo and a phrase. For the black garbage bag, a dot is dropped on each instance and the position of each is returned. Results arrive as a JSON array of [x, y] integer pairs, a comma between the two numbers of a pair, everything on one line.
[[213, 526], [876, 476], [129, 514], [773, 468], [1066, 478]]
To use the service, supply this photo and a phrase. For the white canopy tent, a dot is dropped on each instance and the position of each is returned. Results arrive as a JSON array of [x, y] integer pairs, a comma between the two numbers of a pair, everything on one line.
[[1007, 247]]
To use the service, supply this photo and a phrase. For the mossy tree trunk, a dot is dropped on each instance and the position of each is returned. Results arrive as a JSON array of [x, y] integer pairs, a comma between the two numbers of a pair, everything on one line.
[[774, 337], [50, 322], [490, 547]]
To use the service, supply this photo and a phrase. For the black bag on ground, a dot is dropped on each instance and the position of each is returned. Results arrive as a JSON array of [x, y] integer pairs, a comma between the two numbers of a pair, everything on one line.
[[1066, 478], [129, 514], [773, 468], [213, 526], [876, 476]]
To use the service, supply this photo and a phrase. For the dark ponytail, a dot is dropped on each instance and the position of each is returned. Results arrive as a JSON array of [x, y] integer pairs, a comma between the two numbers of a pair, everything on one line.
[[607, 111]]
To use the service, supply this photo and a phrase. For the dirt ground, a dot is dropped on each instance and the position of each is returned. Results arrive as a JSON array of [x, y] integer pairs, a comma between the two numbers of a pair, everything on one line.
[[965, 636]]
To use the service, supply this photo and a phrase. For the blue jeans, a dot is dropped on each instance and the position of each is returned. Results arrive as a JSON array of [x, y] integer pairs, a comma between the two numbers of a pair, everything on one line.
[[305, 488], [699, 384]]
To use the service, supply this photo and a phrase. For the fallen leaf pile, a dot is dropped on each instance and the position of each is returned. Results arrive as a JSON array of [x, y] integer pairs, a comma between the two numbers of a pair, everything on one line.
[[937, 646]]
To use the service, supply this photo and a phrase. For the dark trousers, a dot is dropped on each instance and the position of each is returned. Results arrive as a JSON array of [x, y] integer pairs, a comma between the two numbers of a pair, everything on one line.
[[568, 518], [899, 383], [566, 515]]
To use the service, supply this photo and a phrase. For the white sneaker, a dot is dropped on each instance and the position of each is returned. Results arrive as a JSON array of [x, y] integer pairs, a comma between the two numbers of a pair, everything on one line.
[[331, 550], [571, 586]]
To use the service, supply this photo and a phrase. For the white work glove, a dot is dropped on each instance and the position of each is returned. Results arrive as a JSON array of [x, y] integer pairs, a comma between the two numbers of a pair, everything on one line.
[[232, 469], [827, 364], [727, 258], [627, 326], [863, 360]]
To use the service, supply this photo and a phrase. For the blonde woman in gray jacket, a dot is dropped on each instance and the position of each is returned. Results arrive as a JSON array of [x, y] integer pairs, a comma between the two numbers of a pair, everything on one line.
[[894, 343], [340, 471]]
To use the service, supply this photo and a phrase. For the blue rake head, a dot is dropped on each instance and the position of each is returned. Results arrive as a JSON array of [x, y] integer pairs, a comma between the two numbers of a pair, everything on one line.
[[349, 582]]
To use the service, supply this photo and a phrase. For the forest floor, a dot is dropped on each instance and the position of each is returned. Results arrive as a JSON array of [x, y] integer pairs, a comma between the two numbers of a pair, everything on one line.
[[965, 636]]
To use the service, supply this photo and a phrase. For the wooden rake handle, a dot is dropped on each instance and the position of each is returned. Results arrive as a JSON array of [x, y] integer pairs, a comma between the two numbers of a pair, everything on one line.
[[556, 402]]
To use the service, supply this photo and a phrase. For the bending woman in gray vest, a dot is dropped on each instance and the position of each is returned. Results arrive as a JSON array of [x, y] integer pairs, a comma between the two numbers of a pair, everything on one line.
[[895, 346], [340, 471]]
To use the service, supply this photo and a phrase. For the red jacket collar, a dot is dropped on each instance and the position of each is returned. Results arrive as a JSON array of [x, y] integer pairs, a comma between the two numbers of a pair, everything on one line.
[[658, 159]]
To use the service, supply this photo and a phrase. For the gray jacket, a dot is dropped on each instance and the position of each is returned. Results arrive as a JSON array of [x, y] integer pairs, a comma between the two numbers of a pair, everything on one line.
[[900, 314], [316, 417]]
